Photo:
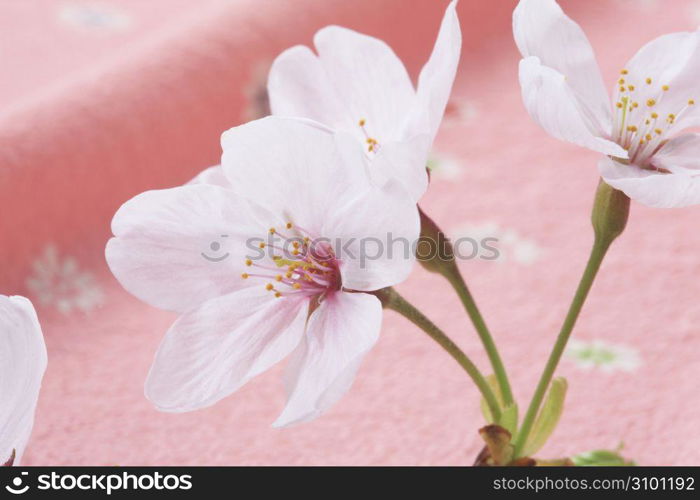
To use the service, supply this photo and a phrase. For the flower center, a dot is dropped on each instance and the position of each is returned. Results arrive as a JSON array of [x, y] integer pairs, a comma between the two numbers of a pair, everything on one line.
[[301, 264], [639, 125], [372, 144]]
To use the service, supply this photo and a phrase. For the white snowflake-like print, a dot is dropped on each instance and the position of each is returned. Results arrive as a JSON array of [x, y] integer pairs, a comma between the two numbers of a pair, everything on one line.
[[94, 16], [603, 356], [57, 281], [460, 111], [444, 167], [510, 245]]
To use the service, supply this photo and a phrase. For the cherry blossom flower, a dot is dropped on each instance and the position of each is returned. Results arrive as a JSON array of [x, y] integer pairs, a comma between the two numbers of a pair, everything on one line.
[[357, 84], [252, 265], [654, 100], [22, 366]]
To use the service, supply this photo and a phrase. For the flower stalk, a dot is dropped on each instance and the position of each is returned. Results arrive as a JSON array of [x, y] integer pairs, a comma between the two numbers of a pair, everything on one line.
[[436, 254], [391, 299], [609, 218]]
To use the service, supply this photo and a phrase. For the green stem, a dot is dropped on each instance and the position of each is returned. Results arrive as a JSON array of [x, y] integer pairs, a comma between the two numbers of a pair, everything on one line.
[[600, 247], [392, 300], [436, 254], [457, 281]]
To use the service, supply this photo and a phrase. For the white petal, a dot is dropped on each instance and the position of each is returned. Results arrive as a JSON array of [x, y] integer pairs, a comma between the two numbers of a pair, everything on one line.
[[164, 251], [553, 105], [212, 175], [299, 86], [339, 334], [438, 74], [542, 29], [679, 154], [294, 168], [405, 162], [211, 351], [375, 237], [369, 79], [354, 77], [649, 187], [22, 366], [673, 60]]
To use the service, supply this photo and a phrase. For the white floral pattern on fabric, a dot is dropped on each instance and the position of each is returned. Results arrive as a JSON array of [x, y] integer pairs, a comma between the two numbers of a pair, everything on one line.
[[460, 111], [444, 167], [58, 281], [495, 243], [94, 16], [603, 356]]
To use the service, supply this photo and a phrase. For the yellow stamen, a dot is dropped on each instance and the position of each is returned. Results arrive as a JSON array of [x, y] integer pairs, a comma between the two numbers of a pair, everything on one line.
[[289, 225], [623, 71], [630, 88], [269, 287], [665, 88], [621, 81], [296, 286], [654, 115], [648, 80], [691, 102], [362, 122], [272, 230], [261, 245], [278, 295], [648, 137], [658, 131], [651, 102], [278, 277], [244, 276], [248, 262]]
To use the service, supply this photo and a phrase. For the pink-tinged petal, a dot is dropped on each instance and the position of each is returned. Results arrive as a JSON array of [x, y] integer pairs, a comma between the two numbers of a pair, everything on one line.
[[375, 237], [404, 162], [213, 175], [213, 350], [339, 334], [649, 187], [672, 60], [437, 76], [294, 168], [553, 105], [299, 86], [680, 154], [176, 248], [22, 365], [541, 29], [370, 81]]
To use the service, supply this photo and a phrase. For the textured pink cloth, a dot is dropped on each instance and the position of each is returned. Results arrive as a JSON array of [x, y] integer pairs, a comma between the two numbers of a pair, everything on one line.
[[108, 99]]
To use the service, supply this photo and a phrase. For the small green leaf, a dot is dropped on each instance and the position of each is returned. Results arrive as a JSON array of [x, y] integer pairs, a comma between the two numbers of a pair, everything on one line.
[[602, 458], [509, 418], [548, 417], [509, 414]]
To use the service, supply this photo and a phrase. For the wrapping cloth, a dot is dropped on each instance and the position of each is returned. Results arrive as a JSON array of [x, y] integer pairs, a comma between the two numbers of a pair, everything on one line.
[[102, 100]]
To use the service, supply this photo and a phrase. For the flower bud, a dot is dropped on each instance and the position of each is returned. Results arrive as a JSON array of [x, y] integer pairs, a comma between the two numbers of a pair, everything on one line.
[[611, 209], [434, 250]]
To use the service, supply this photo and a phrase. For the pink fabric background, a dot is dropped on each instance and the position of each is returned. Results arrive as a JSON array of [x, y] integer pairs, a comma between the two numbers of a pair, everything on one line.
[[126, 96]]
